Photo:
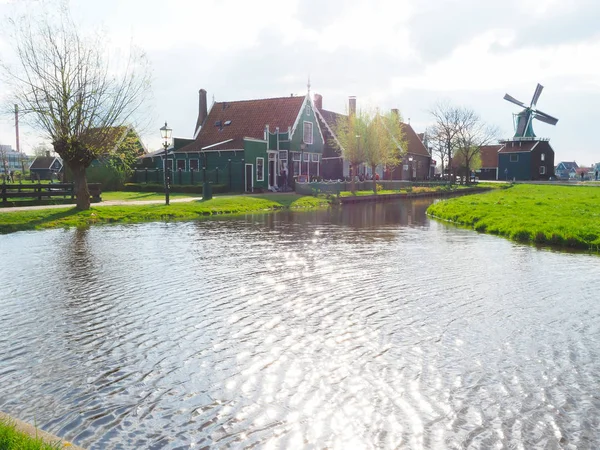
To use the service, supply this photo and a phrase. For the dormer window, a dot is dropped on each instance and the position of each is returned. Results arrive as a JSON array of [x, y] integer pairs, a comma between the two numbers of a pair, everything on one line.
[[543, 157], [308, 110]]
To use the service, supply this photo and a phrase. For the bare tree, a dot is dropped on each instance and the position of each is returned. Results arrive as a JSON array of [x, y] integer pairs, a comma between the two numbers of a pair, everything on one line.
[[4, 161], [41, 149], [436, 143], [449, 121], [67, 87], [473, 135]]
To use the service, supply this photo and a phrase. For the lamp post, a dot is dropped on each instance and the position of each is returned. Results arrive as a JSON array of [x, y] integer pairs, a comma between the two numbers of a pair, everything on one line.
[[165, 134], [410, 166], [355, 169]]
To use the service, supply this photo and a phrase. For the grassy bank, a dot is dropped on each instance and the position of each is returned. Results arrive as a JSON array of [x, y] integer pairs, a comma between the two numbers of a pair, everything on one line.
[[412, 190], [564, 216], [12, 439], [71, 217]]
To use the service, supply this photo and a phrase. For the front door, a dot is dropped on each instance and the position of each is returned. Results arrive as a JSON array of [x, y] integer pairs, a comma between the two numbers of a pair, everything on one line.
[[249, 179], [272, 175]]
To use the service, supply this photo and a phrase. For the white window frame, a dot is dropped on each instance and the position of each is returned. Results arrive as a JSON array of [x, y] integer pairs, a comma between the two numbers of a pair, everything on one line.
[[304, 132], [184, 164], [306, 157], [197, 168], [314, 157], [516, 157], [260, 175], [283, 155], [542, 170], [296, 156]]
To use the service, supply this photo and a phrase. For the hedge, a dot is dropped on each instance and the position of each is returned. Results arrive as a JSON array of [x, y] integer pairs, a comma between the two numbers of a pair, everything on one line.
[[184, 189]]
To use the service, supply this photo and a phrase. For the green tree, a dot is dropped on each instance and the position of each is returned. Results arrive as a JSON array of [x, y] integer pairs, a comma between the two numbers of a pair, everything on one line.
[[65, 86], [384, 141], [349, 135]]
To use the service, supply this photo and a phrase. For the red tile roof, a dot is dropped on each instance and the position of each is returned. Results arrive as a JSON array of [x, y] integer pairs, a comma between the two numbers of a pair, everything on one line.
[[248, 119], [518, 146], [489, 156], [414, 145]]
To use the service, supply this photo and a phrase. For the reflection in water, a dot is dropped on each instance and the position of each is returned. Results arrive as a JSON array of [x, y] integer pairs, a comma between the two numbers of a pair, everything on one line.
[[359, 327]]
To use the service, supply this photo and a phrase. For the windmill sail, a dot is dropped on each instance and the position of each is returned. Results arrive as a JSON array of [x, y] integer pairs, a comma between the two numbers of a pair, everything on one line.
[[536, 95], [513, 100], [523, 128]]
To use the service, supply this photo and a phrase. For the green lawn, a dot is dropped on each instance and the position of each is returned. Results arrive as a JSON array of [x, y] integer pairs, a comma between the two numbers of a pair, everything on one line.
[[566, 216], [71, 217], [11, 439]]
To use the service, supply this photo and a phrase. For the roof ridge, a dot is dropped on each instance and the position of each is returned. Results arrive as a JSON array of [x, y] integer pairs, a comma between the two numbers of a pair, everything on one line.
[[261, 99]]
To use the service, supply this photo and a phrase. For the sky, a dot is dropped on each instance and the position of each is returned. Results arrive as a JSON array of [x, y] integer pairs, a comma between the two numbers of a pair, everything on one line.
[[405, 54]]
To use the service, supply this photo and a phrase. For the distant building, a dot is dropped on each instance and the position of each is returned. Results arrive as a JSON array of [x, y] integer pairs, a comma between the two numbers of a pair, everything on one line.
[[566, 170], [489, 162], [11, 160], [46, 167]]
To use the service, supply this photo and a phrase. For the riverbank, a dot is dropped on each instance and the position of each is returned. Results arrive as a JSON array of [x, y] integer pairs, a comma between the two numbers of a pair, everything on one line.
[[18, 435], [562, 216], [65, 217]]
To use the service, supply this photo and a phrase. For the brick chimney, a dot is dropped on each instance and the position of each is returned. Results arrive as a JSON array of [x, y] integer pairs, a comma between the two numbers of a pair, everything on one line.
[[352, 105], [202, 109], [318, 101]]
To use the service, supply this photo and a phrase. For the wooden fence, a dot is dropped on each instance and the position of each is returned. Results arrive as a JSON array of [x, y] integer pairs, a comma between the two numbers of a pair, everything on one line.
[[39, 191]]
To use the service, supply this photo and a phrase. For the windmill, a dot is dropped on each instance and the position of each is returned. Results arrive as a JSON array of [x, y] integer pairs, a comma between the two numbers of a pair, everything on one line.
[[523, 126]]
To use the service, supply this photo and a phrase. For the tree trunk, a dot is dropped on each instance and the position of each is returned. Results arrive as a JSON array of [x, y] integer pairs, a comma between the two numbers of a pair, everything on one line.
[[77, 157], [82, 194], [374, 180]]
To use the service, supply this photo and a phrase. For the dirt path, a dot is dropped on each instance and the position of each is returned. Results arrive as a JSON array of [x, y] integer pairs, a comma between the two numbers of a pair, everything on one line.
[[106, 203]]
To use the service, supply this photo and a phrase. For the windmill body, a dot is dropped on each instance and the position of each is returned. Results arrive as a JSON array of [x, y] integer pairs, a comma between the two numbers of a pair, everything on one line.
[[524, 119], [526, 156]]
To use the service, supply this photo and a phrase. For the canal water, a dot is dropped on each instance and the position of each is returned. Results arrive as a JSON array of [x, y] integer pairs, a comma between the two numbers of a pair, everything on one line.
[[365, 327]]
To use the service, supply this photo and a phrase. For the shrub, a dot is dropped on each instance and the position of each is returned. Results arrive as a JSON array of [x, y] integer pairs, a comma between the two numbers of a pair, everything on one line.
[[184, 189]]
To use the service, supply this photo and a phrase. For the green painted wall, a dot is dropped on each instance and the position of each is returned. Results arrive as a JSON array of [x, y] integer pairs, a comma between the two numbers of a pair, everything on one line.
[[308, 115], [519, 170], [252, 151]]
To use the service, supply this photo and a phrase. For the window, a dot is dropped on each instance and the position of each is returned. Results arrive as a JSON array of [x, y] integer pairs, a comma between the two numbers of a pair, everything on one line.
[[306, 157], [514, 157], [295, 156], [543, 157], [181, 164], [308, 133], [314, 157], [193, 164], [542, 169], [260, 169], [283, 155], [405, 167], [308, 110]]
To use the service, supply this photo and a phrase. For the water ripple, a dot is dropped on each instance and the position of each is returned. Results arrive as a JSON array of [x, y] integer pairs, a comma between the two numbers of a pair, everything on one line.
[[360, 328]]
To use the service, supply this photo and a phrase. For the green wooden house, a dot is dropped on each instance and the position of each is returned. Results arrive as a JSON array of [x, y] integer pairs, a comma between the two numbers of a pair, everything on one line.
[[251, 145]]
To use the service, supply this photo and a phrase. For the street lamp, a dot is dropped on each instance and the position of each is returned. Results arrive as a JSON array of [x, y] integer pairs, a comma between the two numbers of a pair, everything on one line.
[[165, 134], [410, 161], [357, 154]]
